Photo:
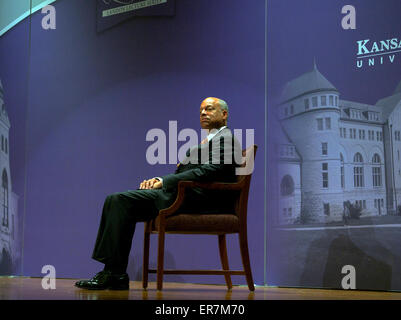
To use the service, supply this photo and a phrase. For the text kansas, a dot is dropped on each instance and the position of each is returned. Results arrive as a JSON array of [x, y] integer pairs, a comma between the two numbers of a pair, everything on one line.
[[368, 47], [371, 53]]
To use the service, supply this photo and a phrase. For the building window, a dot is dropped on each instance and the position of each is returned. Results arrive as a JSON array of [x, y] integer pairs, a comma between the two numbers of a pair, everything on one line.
[[287, 186], [323, 125], [328, 123], [326, 208], [361, 204], [287, 212], [323, 100], [379, 203], [336, 101], [292, 109], [352, 133], [371, 135], [319, 124], [314, 101], [4, 187], [324, 149], [376, 171], [331, 100], [2, 143], [325, 175], [373, 116], [287, 150], [397, 135], [6, 145], [358, 171], [306, 104], [356, 114], [361, 134], [342, 171]]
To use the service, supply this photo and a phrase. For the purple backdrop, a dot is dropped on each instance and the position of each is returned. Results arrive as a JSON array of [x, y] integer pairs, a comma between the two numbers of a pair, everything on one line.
[[93, 97]]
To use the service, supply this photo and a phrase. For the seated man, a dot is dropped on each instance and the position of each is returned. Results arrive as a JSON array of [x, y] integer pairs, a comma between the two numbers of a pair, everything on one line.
[[213, 160]]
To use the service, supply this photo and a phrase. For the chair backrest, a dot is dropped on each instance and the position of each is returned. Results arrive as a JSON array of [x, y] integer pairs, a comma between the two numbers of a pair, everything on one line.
[[244, 177]]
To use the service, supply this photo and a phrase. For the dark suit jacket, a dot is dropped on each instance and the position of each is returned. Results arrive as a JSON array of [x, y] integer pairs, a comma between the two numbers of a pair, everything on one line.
[[210, 162]]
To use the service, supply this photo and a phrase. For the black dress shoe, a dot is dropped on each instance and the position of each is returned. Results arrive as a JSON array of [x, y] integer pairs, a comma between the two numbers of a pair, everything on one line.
[[105, 280]]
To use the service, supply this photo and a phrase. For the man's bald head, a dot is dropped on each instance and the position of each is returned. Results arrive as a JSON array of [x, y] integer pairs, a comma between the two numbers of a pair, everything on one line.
[[213, 113]]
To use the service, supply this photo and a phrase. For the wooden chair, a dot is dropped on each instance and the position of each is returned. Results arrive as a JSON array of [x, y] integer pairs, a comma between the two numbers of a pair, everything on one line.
[[214, 224]]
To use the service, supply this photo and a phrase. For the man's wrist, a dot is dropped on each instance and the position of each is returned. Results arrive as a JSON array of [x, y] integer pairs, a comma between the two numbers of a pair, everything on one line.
[[159, 179]]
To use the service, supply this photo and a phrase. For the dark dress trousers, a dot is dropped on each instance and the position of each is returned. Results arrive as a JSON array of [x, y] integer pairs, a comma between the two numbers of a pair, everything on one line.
[[213, 161]]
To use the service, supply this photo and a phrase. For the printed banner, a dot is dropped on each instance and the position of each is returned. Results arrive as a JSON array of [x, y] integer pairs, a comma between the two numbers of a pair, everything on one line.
[[112, 12], [337, 133]]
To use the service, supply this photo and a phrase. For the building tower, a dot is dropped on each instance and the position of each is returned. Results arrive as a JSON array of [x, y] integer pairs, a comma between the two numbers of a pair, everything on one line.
[[309, 113], [8, 200]]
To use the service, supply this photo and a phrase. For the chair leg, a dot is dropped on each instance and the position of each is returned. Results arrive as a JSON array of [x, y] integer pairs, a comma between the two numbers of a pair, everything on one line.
[[160, 260], [224, 259], [243, 242], [145, 267]]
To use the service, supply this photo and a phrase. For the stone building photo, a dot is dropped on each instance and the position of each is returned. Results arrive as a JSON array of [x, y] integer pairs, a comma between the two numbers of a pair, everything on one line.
[[334, 152], [9, 244]]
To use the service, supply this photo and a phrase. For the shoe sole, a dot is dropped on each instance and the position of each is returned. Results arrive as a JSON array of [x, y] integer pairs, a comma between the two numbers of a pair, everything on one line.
[[105, 288]]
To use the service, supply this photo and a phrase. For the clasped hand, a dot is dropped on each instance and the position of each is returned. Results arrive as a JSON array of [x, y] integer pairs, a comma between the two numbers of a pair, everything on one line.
[[150, 184]]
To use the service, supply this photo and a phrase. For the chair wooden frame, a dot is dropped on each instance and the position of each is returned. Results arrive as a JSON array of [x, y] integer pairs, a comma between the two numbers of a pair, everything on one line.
[[242, 186]]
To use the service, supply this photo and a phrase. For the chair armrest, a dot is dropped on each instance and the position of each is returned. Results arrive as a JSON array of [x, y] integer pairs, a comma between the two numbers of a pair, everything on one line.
[[183, 185], [211, 185]]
